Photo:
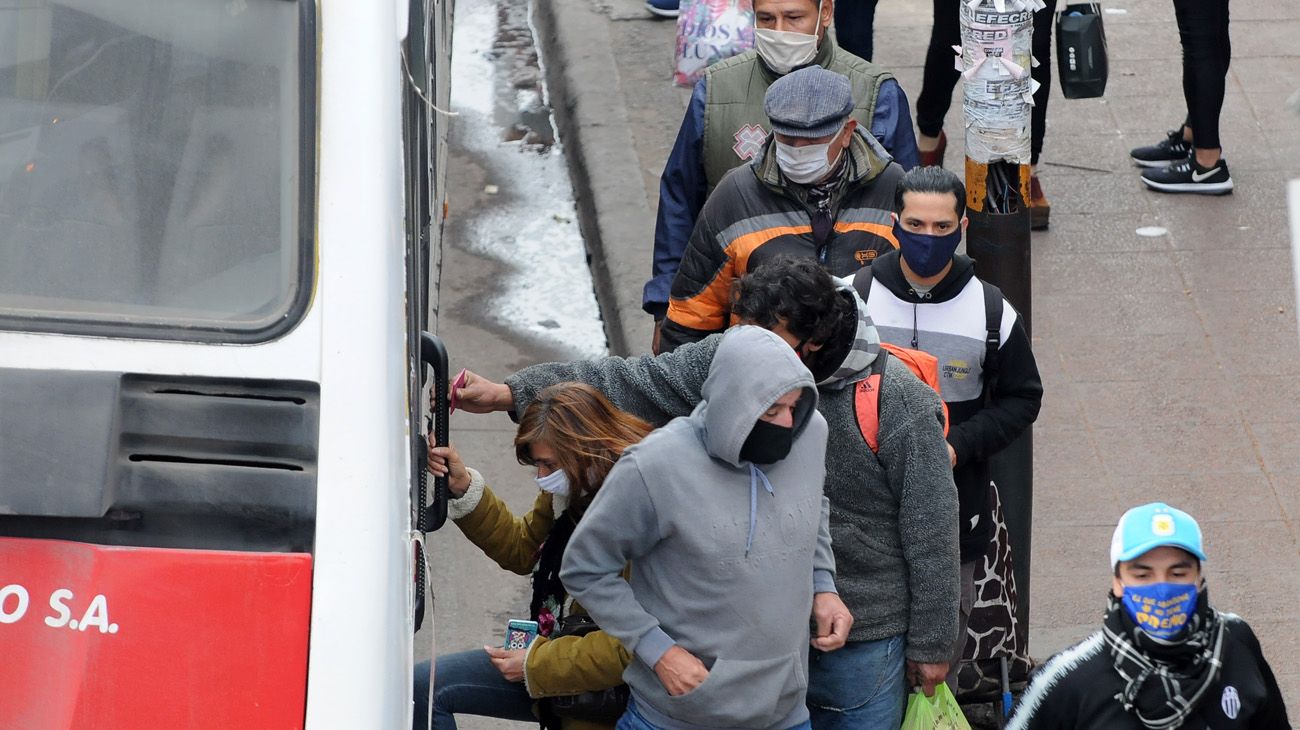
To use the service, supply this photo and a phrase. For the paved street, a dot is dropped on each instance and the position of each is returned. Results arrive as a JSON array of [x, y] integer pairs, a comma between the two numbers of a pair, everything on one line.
[[1170, 364]]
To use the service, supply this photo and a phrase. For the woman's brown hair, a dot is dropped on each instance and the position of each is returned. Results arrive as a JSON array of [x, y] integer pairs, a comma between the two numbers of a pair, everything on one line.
[[585, 430]]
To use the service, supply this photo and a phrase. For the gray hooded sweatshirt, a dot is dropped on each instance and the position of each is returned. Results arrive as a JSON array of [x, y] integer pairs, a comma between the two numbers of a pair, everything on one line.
[[893, 514], [727, 553]]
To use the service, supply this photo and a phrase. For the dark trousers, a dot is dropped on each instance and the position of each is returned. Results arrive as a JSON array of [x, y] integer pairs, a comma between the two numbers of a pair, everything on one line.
[[853, 26], [941, 75], [1203, 29]]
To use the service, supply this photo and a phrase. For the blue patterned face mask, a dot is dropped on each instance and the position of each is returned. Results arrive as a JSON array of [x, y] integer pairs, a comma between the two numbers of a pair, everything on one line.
[[1160, 609]]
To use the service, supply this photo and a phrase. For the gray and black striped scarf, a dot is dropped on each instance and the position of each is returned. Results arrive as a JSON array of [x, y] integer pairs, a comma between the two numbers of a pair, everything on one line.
[[1165, 680], [856, 357]]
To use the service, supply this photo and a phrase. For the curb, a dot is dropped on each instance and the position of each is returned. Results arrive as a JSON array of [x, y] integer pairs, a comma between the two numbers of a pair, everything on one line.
[[613, 209]]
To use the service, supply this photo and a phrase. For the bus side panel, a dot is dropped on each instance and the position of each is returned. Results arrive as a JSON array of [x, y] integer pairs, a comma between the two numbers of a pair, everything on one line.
[[120, 637]]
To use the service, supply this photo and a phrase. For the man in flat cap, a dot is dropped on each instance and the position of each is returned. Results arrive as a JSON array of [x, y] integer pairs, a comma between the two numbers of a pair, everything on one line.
[[725, 126], [820, 187]]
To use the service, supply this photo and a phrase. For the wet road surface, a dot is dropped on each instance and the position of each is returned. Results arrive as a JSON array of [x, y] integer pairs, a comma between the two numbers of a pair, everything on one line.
[[515, 291]]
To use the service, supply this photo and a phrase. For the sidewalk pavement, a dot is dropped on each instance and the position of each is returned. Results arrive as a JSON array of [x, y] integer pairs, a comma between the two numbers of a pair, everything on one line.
[[1170, 364]]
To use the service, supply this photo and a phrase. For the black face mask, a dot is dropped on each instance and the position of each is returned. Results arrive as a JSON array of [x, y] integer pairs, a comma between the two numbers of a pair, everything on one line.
[[824, 362], [767, 443]]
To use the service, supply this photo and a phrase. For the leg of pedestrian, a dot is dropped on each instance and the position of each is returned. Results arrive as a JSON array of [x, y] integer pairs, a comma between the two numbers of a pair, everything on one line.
[[859, 687], [938, 82], [1040, 209], [468, 684], [854, 26], [1207, 50]]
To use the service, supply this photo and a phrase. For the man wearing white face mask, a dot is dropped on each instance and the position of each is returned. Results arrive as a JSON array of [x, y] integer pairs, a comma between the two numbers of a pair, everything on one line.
[[819, 188], [725, 125]]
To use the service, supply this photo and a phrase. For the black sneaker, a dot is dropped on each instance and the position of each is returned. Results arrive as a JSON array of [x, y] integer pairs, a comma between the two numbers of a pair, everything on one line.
[[1172, 150], [1189, 177]]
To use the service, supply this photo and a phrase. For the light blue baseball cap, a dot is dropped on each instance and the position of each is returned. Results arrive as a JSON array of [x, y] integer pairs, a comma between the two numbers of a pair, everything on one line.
[[1154, 525]]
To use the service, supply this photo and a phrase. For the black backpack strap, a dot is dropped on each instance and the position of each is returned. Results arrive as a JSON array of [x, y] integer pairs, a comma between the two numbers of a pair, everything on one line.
[[878, 368], [862, 282], [992, 335], [878, 365]]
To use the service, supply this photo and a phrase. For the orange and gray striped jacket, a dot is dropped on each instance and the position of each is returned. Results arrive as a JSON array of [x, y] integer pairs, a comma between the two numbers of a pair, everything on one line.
[[755, 213]]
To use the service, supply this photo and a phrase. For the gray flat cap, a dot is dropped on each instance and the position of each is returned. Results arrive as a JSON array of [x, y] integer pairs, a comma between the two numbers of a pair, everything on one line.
[[810, 102]]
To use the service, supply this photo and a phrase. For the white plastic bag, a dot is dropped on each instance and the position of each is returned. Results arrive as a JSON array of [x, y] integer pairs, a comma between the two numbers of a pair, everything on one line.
[[709, 31]]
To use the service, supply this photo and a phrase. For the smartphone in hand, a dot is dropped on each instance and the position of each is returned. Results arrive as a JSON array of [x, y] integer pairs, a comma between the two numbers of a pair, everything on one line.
[[520, 633]]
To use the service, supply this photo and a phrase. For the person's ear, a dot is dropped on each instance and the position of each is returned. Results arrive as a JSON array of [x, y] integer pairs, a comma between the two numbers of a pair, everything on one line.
[[894, 216], [828, 14], [1116, 587], [849, 126], [964, 222], [840, 142]]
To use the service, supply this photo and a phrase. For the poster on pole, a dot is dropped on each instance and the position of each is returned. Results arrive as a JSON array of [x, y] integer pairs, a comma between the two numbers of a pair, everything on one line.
[[995, 59]]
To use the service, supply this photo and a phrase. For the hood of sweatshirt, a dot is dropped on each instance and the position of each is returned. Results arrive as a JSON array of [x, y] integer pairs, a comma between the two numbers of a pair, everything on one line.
[[751, 369], [853, 347], [888, 270]]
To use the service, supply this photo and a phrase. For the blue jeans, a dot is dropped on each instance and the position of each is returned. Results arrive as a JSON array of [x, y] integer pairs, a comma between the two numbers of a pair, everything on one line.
[[468, 684], [632, 720], [859, 687]]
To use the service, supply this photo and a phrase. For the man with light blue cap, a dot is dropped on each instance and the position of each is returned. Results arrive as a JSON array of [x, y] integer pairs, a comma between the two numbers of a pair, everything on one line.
[[1164, 658]]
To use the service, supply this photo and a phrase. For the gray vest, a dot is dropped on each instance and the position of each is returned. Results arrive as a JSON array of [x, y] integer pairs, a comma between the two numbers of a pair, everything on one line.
[[735, 124]]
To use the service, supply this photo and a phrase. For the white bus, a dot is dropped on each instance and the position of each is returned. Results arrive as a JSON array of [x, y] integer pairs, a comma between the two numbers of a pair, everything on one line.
[[219, 245]]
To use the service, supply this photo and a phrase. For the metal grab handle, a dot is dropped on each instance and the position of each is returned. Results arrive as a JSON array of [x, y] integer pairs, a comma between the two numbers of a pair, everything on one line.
[[434, 353]]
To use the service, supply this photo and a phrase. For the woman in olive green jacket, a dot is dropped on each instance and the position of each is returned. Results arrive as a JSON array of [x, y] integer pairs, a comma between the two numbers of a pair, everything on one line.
[[573, 436]]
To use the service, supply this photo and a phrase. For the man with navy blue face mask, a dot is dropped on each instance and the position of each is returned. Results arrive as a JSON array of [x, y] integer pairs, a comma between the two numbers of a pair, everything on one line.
[[1163, 658], [926, 297]]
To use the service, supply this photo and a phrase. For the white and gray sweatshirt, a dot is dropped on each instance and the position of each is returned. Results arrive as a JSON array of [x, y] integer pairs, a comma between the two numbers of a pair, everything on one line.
[[949, 322]]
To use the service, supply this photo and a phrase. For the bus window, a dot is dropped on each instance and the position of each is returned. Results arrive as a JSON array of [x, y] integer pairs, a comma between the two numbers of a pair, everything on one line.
[[156, 167]]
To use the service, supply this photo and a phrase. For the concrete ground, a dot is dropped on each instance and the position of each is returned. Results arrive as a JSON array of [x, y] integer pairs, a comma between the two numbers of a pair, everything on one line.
[[1170, 364]]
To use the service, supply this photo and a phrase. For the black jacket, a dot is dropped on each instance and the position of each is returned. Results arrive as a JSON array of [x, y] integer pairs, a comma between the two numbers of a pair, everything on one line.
[[755, 214], [1076, 690], [949, 322]]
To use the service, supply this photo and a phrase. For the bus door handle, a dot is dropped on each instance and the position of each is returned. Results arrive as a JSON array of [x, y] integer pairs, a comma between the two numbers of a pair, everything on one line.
[[433, 353]]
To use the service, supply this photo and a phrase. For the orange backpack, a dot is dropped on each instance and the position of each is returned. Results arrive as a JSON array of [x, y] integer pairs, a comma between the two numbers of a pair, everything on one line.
[[866, 392]]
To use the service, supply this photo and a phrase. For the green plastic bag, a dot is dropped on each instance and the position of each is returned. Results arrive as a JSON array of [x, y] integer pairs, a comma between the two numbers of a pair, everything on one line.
[[939, 712]]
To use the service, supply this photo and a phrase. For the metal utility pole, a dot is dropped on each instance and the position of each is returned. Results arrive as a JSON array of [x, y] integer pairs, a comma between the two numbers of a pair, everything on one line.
[[996, 57]]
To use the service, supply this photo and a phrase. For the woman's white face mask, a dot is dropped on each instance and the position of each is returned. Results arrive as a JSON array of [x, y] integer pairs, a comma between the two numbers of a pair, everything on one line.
[[783, 50], [556, 483]]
